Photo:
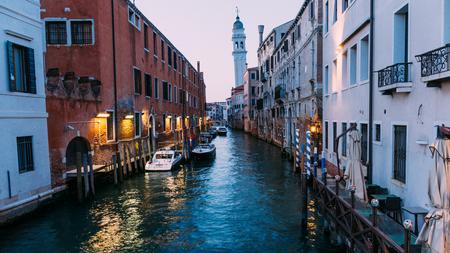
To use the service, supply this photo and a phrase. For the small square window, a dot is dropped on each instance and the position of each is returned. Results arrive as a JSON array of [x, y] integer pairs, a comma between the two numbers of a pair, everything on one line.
[[56, 32], [81, 32], [378, 132]]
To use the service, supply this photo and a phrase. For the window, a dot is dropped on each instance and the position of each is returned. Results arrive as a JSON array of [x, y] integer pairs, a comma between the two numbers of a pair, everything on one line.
[[377, 132], [344, 5], [364, 61], [110, 126], [134, 18], [326, 80], [175, 94], [364, 142], [56, 32], [25, 154], [335, 11], [399, 153], [21, 66], [170, 92], [447, 21], [311, 10], [401, 35], [163, 56], [137, 124], [145, 36], [148, 85], [137, 81], [334, 135], [156, 88], [169, 55], [165, 90], [353, 58], [344, 140], [81, 32], [253, 76], [154, 44], [344, 69], [326, 16], [175, 63], [333, 76]]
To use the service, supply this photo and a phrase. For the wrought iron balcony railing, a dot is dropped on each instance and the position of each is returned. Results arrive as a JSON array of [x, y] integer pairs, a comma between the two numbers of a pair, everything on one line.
[[435, 61], [397, 73]]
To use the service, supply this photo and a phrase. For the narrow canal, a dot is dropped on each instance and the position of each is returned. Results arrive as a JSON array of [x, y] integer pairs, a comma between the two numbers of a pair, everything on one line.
[[246, 200]]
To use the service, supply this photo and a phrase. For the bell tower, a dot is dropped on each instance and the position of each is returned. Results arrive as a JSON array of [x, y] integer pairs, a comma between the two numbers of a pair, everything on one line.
[[239, 50]]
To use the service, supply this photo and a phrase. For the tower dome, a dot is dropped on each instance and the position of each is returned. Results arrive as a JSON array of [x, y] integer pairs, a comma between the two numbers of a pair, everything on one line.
[[238, 24]]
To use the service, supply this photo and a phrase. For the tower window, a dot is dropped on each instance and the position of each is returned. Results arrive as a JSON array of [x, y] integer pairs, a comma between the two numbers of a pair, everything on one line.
[[242, 45]]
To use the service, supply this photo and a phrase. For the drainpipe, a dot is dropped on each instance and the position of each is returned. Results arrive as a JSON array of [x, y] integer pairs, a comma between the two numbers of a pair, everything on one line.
[[370, 164], [116, 121]]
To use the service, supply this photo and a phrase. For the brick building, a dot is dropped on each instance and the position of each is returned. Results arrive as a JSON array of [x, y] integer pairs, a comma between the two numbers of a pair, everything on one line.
[[113, 78]]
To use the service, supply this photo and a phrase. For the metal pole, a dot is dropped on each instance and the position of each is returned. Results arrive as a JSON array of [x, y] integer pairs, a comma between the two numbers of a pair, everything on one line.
[[9, 183], [324, 172]]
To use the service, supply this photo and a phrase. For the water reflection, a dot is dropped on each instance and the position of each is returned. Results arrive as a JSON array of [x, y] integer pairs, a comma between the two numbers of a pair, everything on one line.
[[245, 200]]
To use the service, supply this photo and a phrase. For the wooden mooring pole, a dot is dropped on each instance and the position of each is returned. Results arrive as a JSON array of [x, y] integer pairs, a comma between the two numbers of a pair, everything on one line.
[[85, 176], [79, 178], [114, 164], [91, 174], [119, 167]]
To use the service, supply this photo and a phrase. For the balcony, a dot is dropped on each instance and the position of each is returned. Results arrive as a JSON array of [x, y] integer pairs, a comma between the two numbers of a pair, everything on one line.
[[435, 66], [395, 78], [280, 94]]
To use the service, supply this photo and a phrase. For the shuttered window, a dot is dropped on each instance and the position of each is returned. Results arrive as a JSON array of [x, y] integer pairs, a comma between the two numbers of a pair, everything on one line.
[[400, 153], [137, 81], [148, 85], [56, 32], [81, 32], [165, 91], [21, 66], [25, 154]]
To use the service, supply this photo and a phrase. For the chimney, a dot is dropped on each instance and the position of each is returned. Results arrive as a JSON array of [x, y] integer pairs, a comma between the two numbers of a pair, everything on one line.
[[261, 34], [198, 66]]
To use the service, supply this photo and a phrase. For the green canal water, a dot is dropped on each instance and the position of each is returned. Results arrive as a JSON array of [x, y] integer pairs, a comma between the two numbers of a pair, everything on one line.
[[246, 200]]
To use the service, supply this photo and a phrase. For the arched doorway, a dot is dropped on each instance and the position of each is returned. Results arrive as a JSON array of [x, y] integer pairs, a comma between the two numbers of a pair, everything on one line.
[[76, 145]]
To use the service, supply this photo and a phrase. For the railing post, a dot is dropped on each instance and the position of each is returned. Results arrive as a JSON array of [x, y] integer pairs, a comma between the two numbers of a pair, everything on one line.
[[337, 179], [353, 196], [407, 224], [374, 203]]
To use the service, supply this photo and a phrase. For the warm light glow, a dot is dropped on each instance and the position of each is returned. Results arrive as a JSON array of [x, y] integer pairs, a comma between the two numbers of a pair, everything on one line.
[[313, 129], [103, 115], [129, 116]]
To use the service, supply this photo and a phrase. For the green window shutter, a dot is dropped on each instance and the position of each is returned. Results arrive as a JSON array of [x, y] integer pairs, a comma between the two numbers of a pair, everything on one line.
[[10, 56], [31, 71]]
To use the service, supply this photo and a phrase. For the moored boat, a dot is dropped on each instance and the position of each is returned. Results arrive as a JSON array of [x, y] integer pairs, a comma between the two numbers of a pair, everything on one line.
[[164, 160], [204, 151], [222, 131]]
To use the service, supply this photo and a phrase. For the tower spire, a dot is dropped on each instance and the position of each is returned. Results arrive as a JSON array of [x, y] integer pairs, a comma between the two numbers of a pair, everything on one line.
[[237, 12]]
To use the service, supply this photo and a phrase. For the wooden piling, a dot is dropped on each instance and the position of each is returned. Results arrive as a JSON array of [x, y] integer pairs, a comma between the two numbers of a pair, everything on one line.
[[91, 174], [85, 176], [120, 167], [124, 159], [114, 164], [79, 178]]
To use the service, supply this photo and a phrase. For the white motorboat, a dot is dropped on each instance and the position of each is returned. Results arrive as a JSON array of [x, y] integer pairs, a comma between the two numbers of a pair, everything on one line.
[[164, 160], [204, 151], [222, 131]]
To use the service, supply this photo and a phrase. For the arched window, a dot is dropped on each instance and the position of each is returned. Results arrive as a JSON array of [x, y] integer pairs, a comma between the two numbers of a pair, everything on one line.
[[236, 45], [242, 45]]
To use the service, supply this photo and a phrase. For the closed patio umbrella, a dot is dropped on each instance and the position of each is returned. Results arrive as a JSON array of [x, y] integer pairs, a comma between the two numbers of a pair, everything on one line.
[[354, 172], [435, 233]]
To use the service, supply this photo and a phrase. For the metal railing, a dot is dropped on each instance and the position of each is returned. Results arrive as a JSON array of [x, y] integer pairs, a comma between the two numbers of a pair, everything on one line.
[[435, 61], [397, 73]]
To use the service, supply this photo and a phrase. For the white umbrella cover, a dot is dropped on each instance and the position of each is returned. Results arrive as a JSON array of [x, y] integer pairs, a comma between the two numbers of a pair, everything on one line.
[[435, 233], [354, 172]]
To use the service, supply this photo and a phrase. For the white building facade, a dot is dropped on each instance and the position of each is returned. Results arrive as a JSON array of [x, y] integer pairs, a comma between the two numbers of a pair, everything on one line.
[[409, 74], [25, 170], [411, 93]]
